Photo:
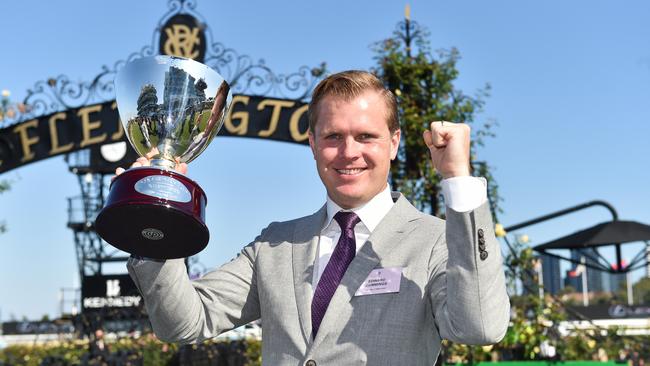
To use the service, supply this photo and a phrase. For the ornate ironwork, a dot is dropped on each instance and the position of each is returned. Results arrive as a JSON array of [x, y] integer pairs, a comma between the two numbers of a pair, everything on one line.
[[9, 111], [245, 74], [248, 76], [409, 31]]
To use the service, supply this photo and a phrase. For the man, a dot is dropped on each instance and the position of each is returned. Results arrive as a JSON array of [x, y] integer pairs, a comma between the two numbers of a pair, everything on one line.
[[367, 279]]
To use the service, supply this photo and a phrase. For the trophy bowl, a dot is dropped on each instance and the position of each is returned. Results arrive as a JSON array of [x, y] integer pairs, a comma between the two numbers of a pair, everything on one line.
[[170, 108]]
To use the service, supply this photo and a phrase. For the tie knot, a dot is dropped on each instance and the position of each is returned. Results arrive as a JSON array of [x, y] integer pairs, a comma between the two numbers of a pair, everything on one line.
[[347, 220]]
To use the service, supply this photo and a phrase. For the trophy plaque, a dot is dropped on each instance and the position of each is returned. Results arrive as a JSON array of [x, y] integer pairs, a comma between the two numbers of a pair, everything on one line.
[[170, 108]]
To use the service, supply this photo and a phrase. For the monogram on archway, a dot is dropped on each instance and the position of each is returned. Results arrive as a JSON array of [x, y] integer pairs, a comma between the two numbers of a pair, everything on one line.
[[171, 108]]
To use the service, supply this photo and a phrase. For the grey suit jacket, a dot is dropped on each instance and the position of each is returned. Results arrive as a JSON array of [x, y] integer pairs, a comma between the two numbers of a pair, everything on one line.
[[448, 290]]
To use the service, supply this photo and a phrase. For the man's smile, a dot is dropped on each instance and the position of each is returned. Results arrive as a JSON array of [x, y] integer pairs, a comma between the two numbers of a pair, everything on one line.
[[350, 171]]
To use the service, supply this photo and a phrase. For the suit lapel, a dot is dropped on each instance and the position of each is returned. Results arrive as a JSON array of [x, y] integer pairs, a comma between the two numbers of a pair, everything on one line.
[[304, 248], [388, 234]]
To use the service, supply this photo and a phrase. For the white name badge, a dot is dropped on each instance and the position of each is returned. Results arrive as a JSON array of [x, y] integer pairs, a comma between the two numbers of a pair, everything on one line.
[[381, 281]]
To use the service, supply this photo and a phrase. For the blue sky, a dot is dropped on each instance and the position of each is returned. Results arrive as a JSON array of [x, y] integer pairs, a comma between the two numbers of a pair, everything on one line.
[[570, 90]]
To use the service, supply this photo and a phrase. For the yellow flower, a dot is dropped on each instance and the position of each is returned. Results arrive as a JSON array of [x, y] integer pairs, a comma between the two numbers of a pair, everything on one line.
[[536, 349], [487, 348], [499, 231], [524, 239], [398, 92], [5, 93], [522, 338], [591, 343]]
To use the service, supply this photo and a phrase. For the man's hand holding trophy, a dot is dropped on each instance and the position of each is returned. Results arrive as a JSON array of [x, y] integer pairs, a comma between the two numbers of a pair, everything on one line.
[[171, 108]]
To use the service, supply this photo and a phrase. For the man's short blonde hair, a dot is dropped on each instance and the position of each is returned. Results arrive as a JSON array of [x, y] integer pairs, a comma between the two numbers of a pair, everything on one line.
[[348, 85]]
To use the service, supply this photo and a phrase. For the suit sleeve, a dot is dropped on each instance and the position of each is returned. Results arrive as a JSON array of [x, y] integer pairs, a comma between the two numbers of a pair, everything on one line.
[[467, 283], [187, 311]]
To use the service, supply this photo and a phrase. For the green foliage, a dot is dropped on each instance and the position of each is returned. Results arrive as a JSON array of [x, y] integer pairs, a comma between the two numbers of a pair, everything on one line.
[[146, 350], [7, 109], [33, 355], [535, 320], [424, 85], [254, 352], [521, 343], [641, 291], [5, 185]]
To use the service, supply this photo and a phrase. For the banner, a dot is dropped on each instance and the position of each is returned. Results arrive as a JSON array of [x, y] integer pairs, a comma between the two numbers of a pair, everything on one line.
[[37, 327], [613, 311]]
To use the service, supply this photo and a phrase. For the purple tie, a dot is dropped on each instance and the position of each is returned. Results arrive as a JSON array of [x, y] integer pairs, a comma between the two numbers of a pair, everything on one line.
[[343, 254]]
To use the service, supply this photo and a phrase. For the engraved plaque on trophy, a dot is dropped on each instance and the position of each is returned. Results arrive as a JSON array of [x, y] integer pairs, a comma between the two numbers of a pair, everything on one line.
[[171, 108]]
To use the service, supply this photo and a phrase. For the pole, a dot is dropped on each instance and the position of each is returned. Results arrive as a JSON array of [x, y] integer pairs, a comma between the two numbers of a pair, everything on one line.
[[630, 295], [585, 293], [61, 300], [540, 280]]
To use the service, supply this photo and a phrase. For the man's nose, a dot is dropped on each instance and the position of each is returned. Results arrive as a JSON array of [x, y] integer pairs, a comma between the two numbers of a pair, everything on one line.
[[350, 148]]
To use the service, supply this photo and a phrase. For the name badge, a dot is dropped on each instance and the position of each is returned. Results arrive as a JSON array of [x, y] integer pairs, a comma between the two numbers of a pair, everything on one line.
[[381, 281]]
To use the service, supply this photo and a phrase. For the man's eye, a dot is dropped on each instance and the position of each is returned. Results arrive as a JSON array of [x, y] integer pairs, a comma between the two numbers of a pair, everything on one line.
[[333, 136], [365, 136]]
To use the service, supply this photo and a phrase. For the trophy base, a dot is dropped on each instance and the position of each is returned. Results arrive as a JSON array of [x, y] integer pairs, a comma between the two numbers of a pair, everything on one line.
[[154, 213]]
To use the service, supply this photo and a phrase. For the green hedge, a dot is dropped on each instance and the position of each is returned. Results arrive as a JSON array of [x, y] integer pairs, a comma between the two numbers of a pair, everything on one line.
[[547, 363], [146, 350]]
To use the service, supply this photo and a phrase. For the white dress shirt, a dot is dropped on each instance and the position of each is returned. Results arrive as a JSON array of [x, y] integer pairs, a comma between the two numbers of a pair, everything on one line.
[[461, 194]]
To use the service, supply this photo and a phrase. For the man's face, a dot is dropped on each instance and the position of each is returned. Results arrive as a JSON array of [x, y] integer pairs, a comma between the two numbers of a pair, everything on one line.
[[353, 147]]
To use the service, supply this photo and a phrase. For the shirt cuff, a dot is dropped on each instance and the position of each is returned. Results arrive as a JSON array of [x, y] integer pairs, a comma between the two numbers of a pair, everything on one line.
[[136, 259], [464, 194]]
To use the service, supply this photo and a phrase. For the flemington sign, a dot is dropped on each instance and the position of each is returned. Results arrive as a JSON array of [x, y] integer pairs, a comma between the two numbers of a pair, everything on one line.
[[79, 128], [63, 118]]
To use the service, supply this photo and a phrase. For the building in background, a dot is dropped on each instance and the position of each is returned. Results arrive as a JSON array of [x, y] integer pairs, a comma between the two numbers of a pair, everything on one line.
[[551, 274], [573, 280], [616, 282], [594, 276]]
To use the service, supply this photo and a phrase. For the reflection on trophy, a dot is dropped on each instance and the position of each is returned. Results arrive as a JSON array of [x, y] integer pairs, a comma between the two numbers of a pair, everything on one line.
[[171, 108]]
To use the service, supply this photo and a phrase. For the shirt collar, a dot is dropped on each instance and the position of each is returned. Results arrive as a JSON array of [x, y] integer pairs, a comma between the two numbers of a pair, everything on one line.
[[370, 213]]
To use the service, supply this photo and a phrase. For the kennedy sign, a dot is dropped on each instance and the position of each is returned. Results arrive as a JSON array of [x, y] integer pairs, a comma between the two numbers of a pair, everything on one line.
[[109, 292]]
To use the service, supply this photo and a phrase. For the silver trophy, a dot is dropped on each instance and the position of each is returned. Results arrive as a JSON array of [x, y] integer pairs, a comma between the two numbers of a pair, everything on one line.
[[171, 108]]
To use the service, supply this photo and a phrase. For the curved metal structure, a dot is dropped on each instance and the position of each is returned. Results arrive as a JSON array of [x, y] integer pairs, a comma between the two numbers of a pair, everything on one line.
[[244, 73]]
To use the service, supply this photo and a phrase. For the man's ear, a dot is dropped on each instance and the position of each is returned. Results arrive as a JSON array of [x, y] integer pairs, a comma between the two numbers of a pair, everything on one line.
[[394, 144], [312, 143]]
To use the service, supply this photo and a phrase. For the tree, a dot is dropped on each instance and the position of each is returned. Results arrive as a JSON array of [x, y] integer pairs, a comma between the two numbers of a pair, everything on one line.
[[7, 109], [4, 186], [423, 83], [641, 291], [424, 86]]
